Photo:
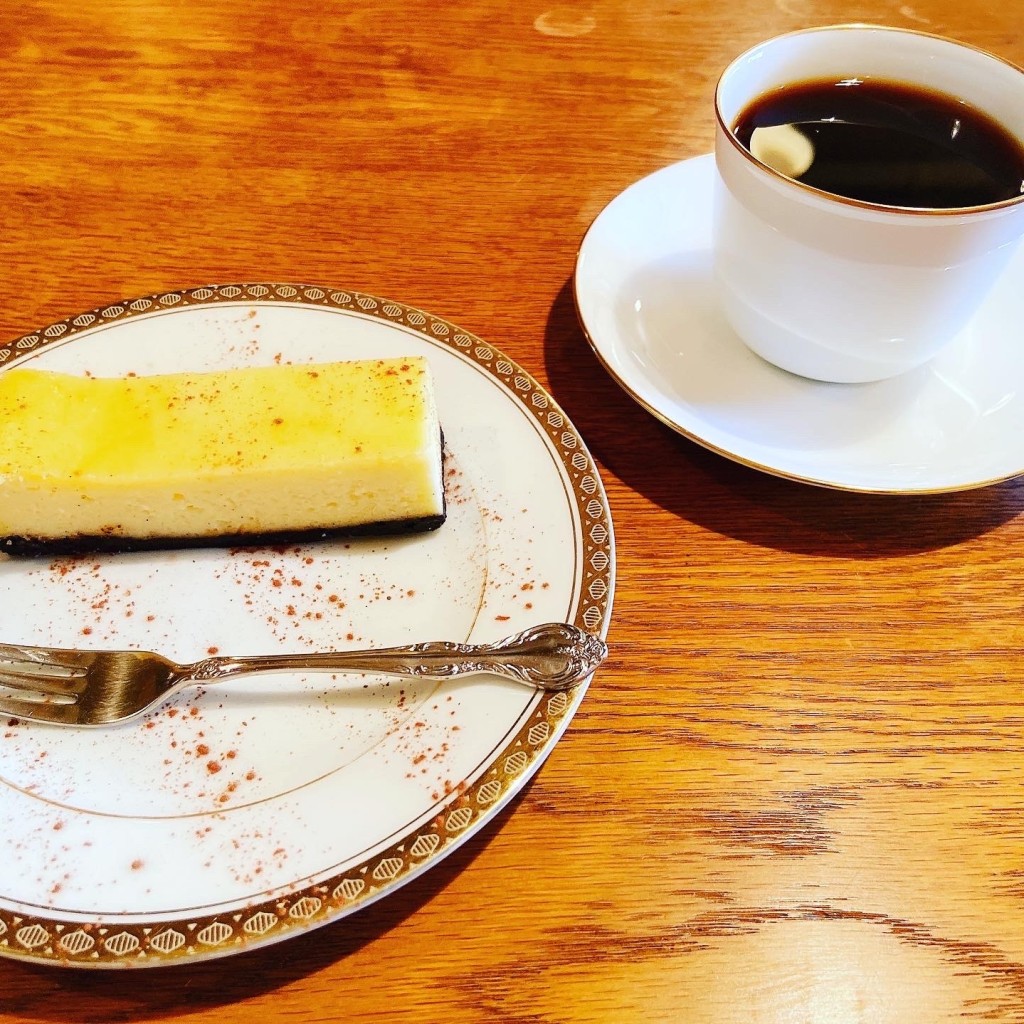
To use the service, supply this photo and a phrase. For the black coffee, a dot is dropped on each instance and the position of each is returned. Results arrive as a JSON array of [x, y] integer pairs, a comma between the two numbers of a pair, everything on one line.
[[894, 143]]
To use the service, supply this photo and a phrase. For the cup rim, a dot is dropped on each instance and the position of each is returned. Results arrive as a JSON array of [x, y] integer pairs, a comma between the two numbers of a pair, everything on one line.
[[860, 204]]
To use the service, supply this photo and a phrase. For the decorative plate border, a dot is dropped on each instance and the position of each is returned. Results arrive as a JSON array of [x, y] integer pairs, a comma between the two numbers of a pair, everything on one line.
[[103, 944]]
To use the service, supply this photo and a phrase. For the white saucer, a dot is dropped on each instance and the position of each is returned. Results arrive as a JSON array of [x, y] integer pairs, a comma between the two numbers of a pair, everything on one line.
[[646, 299]]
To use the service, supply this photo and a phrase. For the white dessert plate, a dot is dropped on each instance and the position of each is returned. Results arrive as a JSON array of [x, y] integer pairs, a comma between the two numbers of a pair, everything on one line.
[[246, 813], [646, 300]]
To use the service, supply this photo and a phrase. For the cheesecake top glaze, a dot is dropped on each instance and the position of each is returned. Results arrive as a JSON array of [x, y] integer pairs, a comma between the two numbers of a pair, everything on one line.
[[255, 451]]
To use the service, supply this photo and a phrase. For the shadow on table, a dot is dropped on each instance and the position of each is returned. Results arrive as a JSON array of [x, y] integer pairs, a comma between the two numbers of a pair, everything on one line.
[[35, 992], [707, 489]]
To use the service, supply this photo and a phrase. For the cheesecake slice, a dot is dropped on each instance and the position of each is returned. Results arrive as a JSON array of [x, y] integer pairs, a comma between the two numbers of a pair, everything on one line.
[[265, 454]]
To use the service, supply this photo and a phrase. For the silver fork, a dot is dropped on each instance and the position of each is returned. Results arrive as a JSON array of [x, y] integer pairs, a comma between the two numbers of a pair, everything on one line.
[[88, 688]]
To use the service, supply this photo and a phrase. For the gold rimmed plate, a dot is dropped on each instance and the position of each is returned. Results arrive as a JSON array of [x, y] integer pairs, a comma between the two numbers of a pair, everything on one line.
[[245, 814], [646, 298]]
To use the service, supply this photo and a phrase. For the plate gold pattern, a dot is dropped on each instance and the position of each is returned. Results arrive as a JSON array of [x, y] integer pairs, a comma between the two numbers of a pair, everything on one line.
[[122, 938]]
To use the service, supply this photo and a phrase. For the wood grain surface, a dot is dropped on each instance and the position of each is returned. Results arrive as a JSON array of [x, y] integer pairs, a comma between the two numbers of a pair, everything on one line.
[[794, 793]]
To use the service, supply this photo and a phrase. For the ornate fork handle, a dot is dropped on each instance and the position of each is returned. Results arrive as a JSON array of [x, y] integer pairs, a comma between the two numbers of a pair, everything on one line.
[[554, 656]]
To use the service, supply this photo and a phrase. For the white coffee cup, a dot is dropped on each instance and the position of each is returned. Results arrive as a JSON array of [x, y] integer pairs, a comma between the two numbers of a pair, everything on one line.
[[838, 289]]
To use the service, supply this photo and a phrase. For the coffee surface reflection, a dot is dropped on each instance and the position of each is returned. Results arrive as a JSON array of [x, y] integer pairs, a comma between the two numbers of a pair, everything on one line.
[[884, 142]]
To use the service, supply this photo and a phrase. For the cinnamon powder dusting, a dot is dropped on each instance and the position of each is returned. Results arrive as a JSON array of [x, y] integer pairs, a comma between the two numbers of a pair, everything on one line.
[[302, 599]]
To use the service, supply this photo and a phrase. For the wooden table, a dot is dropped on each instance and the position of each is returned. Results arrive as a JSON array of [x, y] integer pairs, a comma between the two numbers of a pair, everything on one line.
[[794, 792]]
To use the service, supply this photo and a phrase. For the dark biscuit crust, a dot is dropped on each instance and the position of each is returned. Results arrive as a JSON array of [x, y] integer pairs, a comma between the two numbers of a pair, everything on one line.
[[39, 547]]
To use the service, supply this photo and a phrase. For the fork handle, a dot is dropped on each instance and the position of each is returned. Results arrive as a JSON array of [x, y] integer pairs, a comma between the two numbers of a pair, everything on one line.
[[553, 656]]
